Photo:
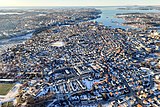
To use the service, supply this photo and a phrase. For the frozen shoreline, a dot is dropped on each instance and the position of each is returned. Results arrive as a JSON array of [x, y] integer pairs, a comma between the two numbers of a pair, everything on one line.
[[8, 43]]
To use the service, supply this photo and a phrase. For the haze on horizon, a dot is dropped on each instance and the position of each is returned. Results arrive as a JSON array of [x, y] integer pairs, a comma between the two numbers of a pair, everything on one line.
[[77, 2]]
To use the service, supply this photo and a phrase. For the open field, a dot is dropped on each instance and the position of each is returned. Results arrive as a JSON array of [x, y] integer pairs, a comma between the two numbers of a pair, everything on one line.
[[4, 88], [10, 104]]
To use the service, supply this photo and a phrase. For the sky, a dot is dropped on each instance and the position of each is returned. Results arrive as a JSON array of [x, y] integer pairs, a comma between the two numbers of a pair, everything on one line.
[[77, 2]]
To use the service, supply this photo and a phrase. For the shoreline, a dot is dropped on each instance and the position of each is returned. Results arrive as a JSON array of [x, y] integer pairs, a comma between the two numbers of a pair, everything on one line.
[[14, 40]]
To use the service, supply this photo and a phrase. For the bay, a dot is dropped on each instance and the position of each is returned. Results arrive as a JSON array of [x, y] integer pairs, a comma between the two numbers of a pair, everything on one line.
[[108, 16]]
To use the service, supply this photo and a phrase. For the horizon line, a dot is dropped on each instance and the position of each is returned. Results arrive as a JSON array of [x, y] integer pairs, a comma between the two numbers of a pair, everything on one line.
[[80, 6]]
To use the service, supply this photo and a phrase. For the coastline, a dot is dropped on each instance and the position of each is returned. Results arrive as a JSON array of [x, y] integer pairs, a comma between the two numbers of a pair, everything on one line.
[[19, 39]]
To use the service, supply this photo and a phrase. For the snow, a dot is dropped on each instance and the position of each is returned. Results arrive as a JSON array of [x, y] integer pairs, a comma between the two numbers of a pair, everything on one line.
[[58, 44]]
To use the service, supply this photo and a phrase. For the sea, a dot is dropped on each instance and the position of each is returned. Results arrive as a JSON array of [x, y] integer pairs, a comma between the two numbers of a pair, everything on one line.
[[108, 18], [108, 15]]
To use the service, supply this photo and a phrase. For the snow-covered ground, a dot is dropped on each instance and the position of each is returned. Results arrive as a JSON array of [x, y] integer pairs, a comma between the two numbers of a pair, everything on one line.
[[58, 44]]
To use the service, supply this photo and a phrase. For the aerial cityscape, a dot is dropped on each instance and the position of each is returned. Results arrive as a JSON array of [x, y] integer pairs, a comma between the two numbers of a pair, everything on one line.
[[84, 54]]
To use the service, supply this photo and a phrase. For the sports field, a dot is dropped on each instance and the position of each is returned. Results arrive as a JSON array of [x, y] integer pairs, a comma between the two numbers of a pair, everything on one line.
[[4, 88]]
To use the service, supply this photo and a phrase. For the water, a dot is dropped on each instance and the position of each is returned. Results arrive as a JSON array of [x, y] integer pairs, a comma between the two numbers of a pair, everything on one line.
[[16, 39], [110, 13], [8, 43]]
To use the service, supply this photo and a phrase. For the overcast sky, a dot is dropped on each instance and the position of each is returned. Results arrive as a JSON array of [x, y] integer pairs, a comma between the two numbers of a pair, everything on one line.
[[77, 2]]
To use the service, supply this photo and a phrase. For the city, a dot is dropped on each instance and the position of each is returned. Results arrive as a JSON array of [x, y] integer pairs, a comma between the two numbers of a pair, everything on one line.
[[72, 60]]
